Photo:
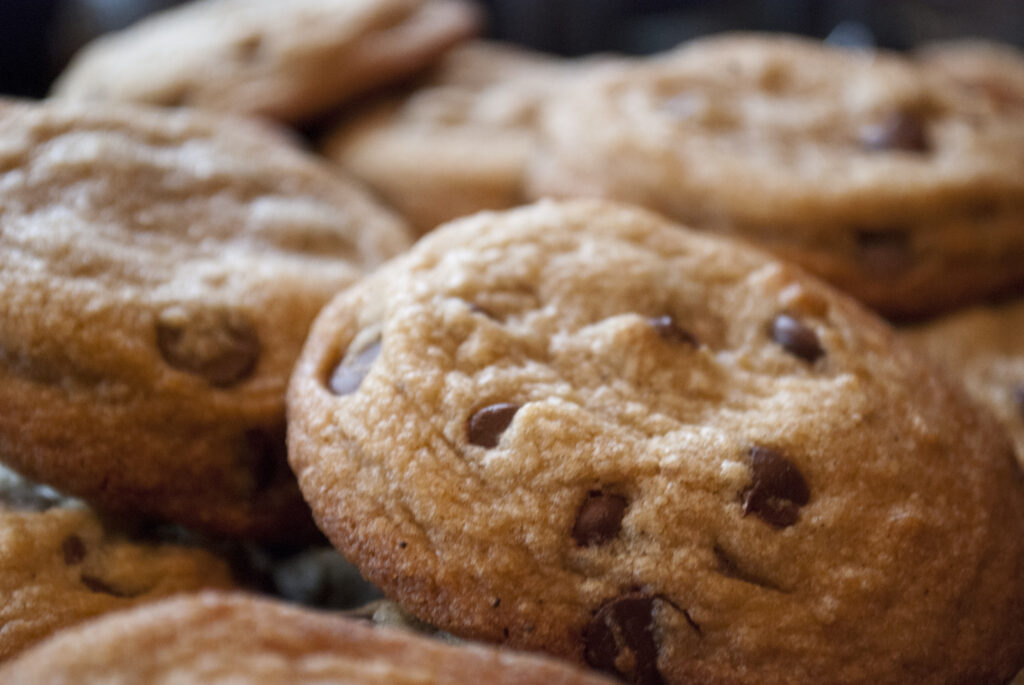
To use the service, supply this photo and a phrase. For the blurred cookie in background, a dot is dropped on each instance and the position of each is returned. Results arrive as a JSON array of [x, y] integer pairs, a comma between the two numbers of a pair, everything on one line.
[[288, 61], [984, 347], [892, 181], [460, 142]]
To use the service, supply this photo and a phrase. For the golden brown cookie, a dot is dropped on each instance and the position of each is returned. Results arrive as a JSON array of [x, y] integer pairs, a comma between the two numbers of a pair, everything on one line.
[[461, 141], [219, 638], [160, 272], [891, 180], [984, 347], [59, 565], [284, 60], [581, 429]]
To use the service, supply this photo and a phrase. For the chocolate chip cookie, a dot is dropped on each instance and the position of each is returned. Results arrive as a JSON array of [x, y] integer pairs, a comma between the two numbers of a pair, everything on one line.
[[160, 272], [59, 565], [581, 429], [984, 347], [285, 60], [234, 638], [891, 180], [461, 141]]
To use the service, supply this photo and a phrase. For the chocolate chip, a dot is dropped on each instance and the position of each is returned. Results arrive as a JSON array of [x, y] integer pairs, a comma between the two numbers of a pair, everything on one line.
[[349, 375], [796, 338], [777, 490], [73, 549], [220, 345], [486, 425], [97, 585], [898, 131], [599, 518], [666, 327], [884, 251], [620, 639]]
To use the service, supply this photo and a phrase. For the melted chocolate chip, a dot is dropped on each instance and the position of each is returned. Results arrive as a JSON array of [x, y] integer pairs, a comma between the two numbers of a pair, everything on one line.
[[73, 550], [903, 131], [486, 425], [777, 490], [97, 585], [221, 345], [599, 518], [349, 375], [666, 327], [796, 338], [884, 251], [620, 639]]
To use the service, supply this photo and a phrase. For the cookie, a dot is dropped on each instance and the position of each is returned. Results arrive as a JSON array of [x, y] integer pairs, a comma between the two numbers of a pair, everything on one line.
[[215, 637], [59, 565], [461, 141], [288, 61], [160, 272], [581, 429], [984, 347], [890, 180], [990, 69]]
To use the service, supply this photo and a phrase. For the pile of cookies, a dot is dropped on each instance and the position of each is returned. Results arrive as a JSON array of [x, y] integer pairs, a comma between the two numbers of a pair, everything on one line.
[[626, 415]]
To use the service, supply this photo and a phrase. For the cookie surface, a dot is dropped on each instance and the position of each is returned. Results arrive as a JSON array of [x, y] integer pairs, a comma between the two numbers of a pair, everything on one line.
[[284, 60], [461, 141], [578, 428], [160, 273], [59, 565], [984, 347], [218, 638], [892, 181]]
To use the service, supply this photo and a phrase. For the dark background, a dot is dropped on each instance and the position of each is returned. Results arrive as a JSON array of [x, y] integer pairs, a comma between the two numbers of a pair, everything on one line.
[[37, 37]]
